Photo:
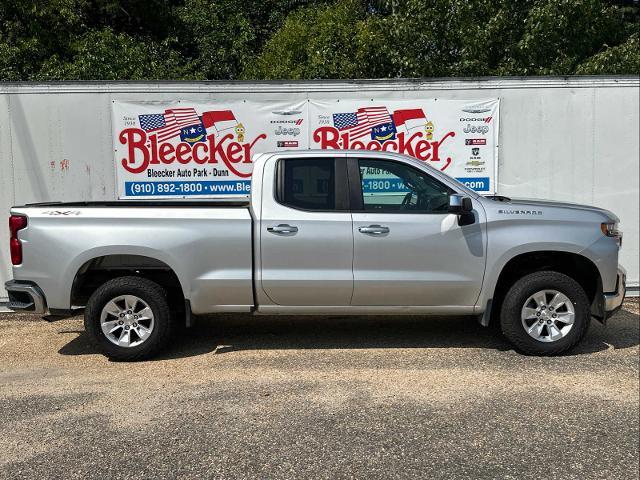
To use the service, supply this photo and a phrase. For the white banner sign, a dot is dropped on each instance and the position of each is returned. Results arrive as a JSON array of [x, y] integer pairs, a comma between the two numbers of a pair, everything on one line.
[[187, 149]]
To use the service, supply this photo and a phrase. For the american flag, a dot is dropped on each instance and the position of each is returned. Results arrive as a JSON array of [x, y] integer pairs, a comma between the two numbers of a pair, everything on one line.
[[361, 122], [168, 124]]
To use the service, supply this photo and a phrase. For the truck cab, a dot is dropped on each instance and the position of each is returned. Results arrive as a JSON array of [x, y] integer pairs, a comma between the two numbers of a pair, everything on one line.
[[365, 233]]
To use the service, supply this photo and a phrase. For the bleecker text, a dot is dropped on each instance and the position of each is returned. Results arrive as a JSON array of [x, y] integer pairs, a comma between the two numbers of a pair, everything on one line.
[[144, 150], [414, 145]]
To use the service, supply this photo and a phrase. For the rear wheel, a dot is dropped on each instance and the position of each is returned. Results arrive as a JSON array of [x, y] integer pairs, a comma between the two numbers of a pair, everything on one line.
[[545, 313], [128, 318]]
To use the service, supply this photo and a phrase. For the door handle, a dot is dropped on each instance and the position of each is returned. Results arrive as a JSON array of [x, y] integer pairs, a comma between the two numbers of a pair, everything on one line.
[[282, 229], [374, 230]]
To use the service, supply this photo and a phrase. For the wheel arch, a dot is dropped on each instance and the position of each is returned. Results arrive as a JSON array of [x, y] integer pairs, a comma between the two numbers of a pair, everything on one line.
[[98, 269], [574, 265]]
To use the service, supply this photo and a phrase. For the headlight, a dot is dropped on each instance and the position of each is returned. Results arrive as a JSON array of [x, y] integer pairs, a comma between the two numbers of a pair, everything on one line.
[[610, 229]]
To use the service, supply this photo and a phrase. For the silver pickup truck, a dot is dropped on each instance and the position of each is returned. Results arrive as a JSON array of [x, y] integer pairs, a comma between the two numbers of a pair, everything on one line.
[[325, 232]]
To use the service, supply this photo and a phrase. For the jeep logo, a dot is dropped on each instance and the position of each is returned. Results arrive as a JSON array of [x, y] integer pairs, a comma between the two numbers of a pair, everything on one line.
[[294, 132], [483, 129]]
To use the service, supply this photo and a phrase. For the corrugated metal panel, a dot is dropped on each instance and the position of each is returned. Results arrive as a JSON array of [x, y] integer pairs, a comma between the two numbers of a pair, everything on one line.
[[569, 138], [278, 86], [7, 197], [62, 146]]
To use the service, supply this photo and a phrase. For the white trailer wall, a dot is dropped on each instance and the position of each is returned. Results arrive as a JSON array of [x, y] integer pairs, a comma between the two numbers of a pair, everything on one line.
[[574, 139]]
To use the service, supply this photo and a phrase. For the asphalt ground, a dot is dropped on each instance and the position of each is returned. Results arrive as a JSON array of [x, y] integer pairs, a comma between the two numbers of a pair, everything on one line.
[[321, 398]]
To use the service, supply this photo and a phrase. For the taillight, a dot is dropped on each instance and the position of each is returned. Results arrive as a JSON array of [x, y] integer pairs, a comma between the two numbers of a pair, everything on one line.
[[16, 222]]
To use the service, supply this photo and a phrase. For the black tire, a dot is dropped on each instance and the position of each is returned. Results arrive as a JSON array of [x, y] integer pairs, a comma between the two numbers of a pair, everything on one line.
[[510, 314], [151, 293]]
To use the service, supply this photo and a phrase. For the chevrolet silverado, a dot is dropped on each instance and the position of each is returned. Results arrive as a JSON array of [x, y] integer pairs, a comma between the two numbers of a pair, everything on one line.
[[324, 232]]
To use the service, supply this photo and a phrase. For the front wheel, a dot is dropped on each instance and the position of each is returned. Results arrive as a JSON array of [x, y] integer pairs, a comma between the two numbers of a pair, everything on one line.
[[128, 318], [545, 313]]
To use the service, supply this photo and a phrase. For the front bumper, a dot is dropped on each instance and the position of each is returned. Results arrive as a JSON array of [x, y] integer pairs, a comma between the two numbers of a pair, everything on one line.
[[613, 301], [26, 297]]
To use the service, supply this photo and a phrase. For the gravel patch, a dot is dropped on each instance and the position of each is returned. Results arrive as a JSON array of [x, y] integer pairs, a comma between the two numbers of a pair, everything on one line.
[[289, 397]]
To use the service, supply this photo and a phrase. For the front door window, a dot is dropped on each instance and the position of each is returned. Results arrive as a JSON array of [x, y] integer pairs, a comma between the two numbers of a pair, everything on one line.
[[389, 187]]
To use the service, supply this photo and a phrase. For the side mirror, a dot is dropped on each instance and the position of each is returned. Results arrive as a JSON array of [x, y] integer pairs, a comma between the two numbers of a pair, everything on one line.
[[459, 204]]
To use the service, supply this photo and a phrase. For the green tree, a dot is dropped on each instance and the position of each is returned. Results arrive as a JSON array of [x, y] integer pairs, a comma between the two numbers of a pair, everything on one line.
[[559, 35], [438, 38], [299, 39], [30, 34], [105, 55], [214, 38], [72, 40], [314, 42], [618, 60]]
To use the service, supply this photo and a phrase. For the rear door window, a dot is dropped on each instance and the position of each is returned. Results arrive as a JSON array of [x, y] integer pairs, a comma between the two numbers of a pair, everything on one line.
[[308, 184]]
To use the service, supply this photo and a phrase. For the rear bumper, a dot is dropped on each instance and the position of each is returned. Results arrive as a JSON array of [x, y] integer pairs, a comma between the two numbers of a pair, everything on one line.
[[26, 297], [613, 301]]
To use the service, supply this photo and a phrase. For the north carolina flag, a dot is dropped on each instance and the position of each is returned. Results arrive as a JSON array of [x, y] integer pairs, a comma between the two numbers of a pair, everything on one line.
[[409, 119], [220, 119]]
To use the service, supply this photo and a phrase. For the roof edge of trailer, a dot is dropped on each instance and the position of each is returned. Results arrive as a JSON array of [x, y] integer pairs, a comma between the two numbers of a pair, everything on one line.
[[266, 86]]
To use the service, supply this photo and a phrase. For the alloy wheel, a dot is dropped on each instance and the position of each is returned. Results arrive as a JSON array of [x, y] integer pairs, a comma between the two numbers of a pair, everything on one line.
[[548, 315], [127, 321]]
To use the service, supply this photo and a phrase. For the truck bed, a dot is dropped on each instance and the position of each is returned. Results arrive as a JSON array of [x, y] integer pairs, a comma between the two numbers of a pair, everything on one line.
[[206, 244], [205, 203]]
